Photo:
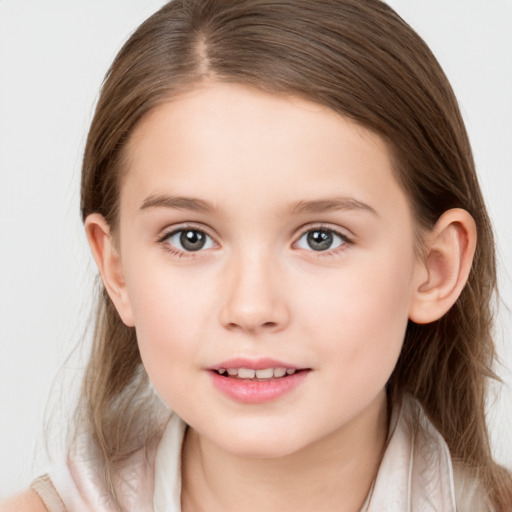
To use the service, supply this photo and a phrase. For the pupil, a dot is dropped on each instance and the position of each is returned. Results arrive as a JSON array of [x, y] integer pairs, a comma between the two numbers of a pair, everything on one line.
[[192, 240], [319, 240]]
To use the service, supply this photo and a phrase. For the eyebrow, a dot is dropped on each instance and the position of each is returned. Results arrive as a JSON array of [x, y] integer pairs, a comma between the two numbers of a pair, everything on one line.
[[301, 207], [332, 204], [178, 202]]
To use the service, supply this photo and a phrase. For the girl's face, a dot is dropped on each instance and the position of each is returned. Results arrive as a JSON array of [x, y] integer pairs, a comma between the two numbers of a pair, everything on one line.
[[264, 233]]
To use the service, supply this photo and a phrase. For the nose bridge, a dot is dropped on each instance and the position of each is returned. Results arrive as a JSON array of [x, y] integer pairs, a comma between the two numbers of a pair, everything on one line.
[[255, 297]]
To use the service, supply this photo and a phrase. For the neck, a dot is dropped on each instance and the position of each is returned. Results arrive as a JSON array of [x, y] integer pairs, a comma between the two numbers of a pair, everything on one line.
[[334, 473]]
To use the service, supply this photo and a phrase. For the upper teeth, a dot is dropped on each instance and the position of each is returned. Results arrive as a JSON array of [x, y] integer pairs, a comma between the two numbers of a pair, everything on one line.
[[249, 373]]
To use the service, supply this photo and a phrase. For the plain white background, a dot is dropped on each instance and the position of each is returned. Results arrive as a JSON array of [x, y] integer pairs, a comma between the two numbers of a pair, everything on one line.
[[53, 56]]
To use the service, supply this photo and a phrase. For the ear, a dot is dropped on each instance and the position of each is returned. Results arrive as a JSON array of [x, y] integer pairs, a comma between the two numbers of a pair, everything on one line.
[[442, 274], [107, 258]]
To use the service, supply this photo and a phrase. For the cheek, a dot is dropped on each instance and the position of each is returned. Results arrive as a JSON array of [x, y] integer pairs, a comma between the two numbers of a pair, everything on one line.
[[362, 315], [167, 312]]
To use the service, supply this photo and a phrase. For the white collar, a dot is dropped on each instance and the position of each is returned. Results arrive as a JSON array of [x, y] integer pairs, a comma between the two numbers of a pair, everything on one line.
[[167, 495], [416, 472]]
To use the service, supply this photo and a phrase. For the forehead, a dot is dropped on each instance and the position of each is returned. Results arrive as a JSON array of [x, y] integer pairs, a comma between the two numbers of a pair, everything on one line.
[[237, 144]]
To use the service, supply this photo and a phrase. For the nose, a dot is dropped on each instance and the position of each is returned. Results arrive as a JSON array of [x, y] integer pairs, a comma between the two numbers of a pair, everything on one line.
[[254, 299]]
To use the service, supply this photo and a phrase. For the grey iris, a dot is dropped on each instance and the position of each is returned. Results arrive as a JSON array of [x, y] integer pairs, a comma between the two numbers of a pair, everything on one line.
[[192, 240], [319, 240]]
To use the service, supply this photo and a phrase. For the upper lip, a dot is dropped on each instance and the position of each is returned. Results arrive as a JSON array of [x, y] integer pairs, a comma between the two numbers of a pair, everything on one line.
[[254, 364]]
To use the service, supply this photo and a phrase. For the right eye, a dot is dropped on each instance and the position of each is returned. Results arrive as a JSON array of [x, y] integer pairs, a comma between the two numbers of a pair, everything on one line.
[[188, 240]]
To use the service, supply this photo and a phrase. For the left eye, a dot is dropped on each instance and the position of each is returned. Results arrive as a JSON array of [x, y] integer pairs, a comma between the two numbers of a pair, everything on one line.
[[189, 240], [321, 240]]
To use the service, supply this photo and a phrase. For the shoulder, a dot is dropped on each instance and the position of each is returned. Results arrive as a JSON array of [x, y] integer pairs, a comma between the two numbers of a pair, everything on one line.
[[27, 501]]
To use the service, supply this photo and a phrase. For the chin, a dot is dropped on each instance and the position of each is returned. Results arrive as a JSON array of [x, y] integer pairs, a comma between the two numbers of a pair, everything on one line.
[[260, 445]]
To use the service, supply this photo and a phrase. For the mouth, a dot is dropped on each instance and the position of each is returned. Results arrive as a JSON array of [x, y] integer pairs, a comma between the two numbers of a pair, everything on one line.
[[260, 375], [257, 381]]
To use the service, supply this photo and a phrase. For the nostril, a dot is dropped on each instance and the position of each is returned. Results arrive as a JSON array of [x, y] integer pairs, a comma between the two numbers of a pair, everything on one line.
[[251, 327]]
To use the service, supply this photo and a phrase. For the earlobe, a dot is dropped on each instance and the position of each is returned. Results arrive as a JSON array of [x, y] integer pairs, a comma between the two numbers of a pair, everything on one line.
[[442, 274], [108, 261]]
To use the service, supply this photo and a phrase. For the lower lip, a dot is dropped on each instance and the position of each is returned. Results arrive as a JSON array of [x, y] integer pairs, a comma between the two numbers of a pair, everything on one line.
[[256, 392]]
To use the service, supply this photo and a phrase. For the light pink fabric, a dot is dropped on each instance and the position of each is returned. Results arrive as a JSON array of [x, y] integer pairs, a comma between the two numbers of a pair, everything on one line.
[[79, 485], [416, 473]]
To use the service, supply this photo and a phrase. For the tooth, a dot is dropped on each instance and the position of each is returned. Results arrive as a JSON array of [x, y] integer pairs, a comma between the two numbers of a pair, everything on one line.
[[268, 373], [290, 371], [232, 371], [222, 371], [279, 372], [246, 373]]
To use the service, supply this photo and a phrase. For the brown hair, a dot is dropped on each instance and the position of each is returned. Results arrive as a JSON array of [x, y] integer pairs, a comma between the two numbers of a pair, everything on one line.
[[360, 59]]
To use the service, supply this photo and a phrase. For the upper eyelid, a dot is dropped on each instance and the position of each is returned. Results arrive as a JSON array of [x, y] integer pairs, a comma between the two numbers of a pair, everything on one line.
[[324, 227], [166, 232]]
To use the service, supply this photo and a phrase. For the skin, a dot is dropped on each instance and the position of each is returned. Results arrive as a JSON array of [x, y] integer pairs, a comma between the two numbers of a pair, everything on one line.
[[27, 501], [258, 289]]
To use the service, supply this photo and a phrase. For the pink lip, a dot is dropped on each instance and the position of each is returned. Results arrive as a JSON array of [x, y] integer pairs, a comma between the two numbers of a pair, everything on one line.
[[254, 364], [256, 391]]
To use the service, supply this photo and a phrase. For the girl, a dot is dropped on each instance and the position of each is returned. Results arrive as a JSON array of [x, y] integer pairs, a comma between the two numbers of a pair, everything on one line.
[[296, 261]]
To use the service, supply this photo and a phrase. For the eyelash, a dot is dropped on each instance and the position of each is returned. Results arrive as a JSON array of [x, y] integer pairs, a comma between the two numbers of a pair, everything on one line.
[[346, 241], [176, 252]]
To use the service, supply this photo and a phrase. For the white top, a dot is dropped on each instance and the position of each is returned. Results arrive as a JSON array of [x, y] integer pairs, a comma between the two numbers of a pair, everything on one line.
[[416, 473]]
